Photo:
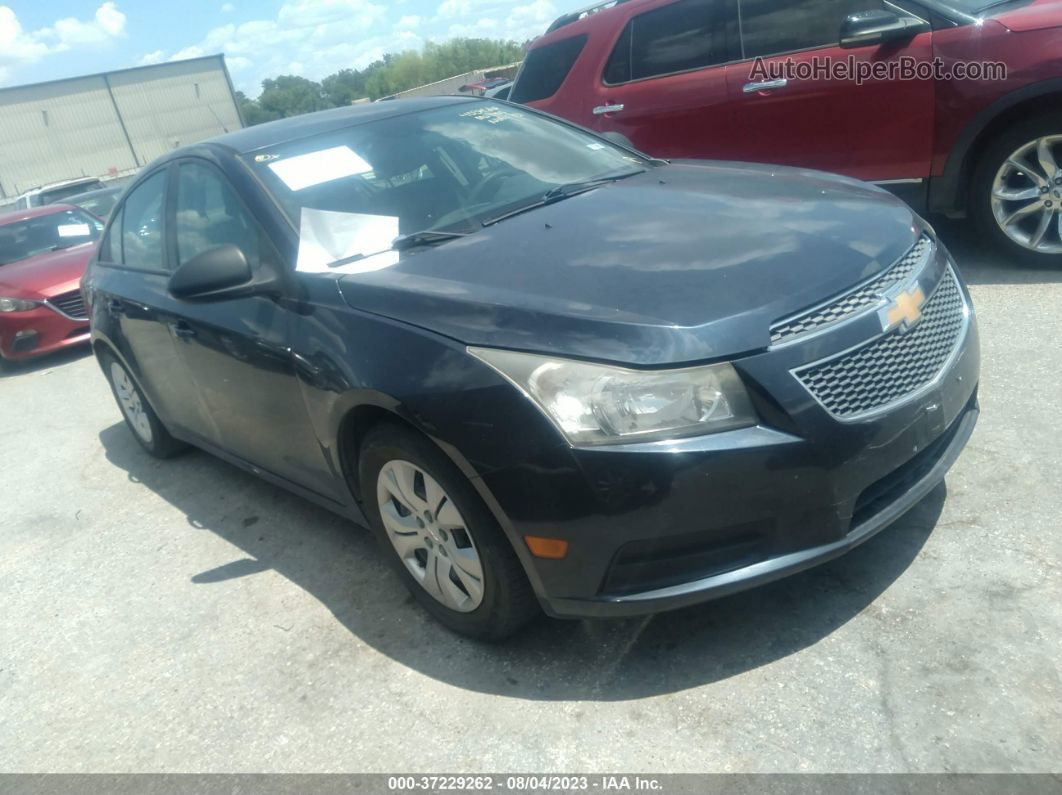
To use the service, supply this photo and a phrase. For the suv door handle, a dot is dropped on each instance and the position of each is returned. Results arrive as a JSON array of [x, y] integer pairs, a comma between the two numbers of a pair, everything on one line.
[[765, 85], [115, 306], [183, 331], [608, 109]]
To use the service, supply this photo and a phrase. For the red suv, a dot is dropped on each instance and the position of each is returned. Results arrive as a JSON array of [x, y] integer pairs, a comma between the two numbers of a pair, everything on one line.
[[765, 81]]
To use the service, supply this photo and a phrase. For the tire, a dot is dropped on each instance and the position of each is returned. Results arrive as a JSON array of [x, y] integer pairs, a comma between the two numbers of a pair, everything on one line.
[[993, 165], [139, 417], [442, 548]]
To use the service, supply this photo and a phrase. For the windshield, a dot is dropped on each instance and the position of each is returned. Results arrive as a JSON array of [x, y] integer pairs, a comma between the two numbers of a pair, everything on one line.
[[100, 203], [25, 239], [449, 168]]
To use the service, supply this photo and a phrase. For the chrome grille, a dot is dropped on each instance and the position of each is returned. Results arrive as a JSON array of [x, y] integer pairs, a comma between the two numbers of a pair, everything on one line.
[[894, 365], [863, 297], [70, 304]]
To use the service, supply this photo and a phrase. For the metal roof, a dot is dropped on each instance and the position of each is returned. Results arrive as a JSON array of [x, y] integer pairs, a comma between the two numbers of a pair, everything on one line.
[[145, 68]]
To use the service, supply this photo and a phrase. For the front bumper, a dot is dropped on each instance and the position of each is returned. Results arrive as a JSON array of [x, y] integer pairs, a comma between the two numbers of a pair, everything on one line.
[[663, 525], [912, 486], [26, 335]]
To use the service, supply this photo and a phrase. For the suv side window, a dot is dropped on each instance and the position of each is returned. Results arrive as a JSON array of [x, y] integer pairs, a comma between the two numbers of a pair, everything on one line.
[[689, 34], [772, 27], [210, 214], [143, 238], [545, 68]]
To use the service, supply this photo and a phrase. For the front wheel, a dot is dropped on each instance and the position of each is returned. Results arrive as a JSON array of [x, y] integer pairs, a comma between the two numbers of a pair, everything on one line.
[[443, 542], [1017, 191]]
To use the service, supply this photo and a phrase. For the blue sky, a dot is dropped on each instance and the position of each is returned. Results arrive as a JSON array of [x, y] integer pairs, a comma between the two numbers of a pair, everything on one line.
[[62, 38]]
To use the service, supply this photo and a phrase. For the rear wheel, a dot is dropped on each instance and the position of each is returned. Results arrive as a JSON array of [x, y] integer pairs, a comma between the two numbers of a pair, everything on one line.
[[440, 537], [140, 418], [1018, 191]]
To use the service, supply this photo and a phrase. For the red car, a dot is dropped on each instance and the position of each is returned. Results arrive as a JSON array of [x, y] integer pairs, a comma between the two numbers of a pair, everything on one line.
[[43, 254], [754, 80]]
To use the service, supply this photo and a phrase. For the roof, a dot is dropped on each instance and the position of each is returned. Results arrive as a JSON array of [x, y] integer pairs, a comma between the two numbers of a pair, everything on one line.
[[61, 184], [272, 133], [33, 212], [157, 67]]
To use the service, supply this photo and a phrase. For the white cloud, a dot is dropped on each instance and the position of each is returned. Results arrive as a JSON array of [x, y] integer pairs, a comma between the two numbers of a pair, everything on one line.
[[408, 21], [107, 24], [19, 47], [158, 56], [312, 38], [227, 8], [519, 22]]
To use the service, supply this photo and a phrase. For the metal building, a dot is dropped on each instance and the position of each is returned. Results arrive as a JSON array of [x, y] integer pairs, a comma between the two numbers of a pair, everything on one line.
[[110, 124]]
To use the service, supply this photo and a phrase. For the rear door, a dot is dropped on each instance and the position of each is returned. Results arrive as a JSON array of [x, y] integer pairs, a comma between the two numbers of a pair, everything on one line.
[[131, 279], [881, 129], [664, 83]]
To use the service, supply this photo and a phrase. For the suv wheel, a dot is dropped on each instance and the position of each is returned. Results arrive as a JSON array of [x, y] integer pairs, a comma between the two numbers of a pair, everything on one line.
[[1018, 191], [440, 537], [141, 419]]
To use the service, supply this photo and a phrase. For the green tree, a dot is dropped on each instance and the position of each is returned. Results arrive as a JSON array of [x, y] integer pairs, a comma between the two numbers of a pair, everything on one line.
[[344, 86], [252, 112], [290, 95]]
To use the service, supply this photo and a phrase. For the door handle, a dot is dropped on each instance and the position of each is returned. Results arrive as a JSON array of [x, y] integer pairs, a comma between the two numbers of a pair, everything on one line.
[[115, 306], [765, 85], [183, 331], [608, 109]]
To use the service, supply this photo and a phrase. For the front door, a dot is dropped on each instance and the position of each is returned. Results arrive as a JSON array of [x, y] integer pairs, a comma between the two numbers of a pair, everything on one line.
[[877, 129], [238, 349], [664, 85]]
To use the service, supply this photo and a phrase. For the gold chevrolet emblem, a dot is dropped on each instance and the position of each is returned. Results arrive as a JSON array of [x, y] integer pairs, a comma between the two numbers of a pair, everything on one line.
[[904, 311]]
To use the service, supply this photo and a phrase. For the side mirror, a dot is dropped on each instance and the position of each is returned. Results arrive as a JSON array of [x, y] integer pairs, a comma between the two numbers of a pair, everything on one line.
[[217, 273], [867, 28]]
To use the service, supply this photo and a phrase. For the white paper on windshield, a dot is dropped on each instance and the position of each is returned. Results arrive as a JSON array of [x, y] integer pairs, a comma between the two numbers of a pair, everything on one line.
[[326, 236], [314, 168], [73, 230]]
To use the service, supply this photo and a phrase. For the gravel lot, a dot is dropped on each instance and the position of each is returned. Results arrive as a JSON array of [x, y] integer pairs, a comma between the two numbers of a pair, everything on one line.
[[185, 616]]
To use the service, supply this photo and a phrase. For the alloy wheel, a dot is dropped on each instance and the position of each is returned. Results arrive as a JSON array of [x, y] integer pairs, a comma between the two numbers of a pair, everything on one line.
[[129, 400], [1027, 195], [430, 536]]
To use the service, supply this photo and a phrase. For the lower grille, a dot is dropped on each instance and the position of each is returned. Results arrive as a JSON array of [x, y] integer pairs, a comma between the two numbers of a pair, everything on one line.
[[70, 304], [894, 365]]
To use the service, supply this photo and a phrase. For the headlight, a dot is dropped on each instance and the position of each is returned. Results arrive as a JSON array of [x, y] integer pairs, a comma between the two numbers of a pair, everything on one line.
[[17, 305], [598, 404]]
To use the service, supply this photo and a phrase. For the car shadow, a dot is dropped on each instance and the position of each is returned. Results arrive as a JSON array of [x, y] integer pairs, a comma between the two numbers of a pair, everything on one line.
[[981, 264], [42, 363], [339, 565]]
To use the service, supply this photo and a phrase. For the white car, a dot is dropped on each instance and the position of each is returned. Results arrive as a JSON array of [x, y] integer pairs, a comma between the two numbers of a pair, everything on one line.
[[56, 192]]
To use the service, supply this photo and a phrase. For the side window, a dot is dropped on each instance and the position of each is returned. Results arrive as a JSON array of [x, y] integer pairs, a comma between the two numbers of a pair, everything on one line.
[[110, 247], [689, 34], [209, 214], [772, 27], [545, 68], [143, 239]]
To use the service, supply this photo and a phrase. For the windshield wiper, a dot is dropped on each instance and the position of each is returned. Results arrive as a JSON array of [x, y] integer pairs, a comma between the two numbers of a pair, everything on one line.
[[423, 238], [565, 191]]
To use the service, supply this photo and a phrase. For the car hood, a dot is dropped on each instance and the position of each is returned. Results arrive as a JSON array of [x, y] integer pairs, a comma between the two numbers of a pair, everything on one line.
[[46, 274], [683, 263], [1038, 15]]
